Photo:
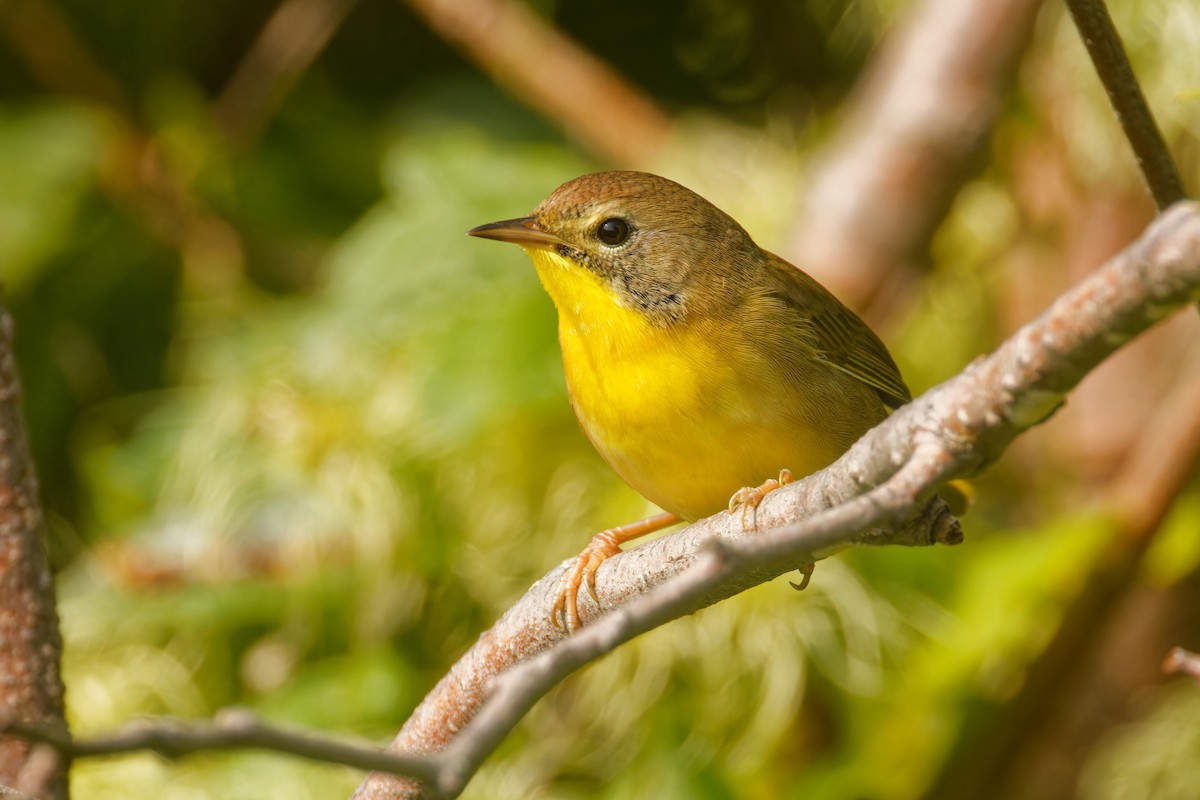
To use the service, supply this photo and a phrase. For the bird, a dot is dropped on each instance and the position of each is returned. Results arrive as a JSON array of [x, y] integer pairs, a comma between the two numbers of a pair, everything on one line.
[[697, 363]]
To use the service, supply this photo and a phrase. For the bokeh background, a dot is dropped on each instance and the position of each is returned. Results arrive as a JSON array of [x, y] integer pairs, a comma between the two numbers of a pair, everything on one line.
[[300, 440]]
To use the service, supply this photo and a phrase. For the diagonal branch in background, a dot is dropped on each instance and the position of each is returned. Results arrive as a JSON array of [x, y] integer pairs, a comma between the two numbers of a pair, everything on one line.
[[952, 430], [297, 32], [1116, 73], [44, 38], [552, 74], [31, 686], [907, 141]]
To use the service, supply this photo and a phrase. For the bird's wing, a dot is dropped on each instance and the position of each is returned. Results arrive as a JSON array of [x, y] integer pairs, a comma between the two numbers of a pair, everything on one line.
[[843, 341]]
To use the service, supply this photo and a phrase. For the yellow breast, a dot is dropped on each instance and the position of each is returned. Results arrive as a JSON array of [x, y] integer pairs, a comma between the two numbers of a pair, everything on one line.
[[686, 414]]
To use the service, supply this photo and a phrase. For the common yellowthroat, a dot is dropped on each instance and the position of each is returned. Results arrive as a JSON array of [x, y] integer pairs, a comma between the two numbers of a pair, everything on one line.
[[697, 363]]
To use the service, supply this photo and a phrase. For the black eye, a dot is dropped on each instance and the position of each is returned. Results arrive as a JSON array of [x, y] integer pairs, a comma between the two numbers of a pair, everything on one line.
[[613, 231]]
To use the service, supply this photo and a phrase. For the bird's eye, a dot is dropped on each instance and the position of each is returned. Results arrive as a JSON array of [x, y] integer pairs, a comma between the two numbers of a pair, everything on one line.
[[613, 231]]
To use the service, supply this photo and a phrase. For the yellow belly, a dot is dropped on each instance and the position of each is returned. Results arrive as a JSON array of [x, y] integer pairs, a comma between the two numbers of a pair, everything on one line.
[[682, 426]]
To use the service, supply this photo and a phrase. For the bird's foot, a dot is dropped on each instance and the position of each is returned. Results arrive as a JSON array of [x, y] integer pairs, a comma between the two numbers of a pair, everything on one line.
[[582, 572], [749, 497]]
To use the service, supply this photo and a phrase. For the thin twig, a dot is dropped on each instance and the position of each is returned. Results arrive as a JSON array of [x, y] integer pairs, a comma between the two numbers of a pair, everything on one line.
[[1116, 73], [231, 729], [952, 430]]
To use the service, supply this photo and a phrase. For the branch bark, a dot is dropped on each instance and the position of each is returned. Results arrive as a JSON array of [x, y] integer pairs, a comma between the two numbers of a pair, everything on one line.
[[30, 645], [952, 430]]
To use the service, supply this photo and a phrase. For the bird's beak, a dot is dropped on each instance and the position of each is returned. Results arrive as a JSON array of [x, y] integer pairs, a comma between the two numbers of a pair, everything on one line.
[[523, 231]]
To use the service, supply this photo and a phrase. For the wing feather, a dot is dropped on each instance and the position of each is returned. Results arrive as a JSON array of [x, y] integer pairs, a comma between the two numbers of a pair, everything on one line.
[[843, 341]]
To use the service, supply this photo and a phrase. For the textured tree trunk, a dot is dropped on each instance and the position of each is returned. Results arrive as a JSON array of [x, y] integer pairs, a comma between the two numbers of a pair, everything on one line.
[[31, 688]]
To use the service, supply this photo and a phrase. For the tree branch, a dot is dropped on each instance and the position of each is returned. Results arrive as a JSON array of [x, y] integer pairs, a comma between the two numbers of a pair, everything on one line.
[[1112, 65], [952, 430]]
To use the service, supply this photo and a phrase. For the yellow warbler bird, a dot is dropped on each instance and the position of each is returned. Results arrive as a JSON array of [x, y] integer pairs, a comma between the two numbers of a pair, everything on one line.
[[697, 363]]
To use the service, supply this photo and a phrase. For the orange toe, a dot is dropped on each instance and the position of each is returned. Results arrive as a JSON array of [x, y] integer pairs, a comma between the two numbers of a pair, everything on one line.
[[603, 546], [748, 498], [582, 573]]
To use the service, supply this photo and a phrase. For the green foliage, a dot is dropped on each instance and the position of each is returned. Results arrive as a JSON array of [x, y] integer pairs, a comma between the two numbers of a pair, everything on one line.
[[49, 152]]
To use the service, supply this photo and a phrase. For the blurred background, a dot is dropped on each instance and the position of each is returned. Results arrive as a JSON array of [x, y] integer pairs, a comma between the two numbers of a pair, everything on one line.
[[300, 440]]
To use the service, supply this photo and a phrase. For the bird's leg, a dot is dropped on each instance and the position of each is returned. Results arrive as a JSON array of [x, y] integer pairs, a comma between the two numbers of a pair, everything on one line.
[[604, 545], [749, 497]]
